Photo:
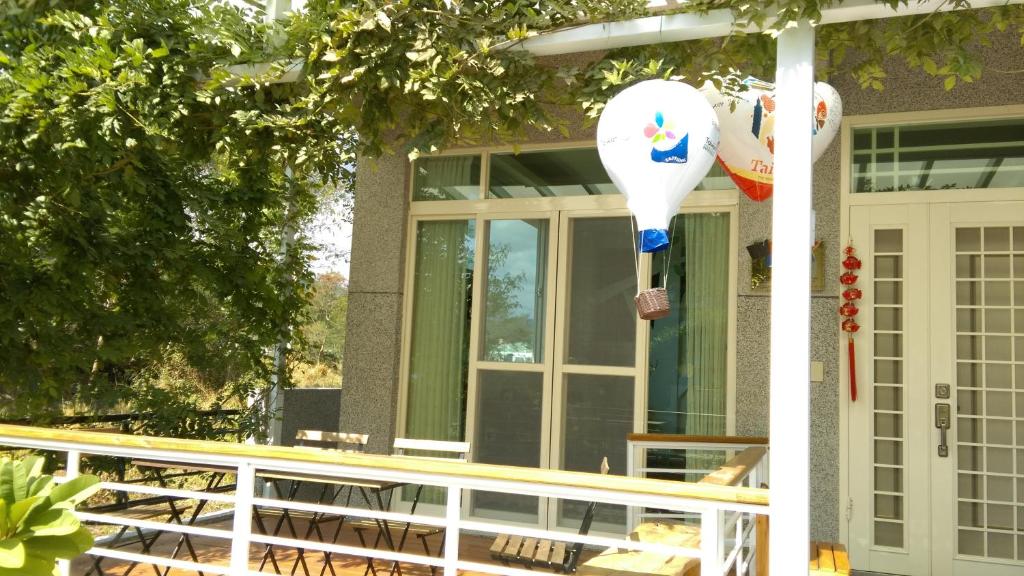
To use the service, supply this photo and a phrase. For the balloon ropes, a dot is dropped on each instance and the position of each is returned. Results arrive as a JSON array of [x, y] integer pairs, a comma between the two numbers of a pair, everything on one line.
[[747, 119], [657, 139]]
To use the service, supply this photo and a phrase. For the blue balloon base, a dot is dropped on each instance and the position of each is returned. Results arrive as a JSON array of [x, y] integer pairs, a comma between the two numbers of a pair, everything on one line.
[[653, 240]]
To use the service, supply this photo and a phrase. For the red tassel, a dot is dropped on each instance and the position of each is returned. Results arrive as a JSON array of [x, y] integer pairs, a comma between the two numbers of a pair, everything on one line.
[[853, 370]]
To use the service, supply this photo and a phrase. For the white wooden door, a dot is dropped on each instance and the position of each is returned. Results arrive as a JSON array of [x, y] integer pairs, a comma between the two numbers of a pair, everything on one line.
[[977, 348], [942, 323]]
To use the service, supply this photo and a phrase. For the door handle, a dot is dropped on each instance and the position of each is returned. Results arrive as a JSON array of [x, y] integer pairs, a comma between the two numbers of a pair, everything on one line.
[[942, 422]]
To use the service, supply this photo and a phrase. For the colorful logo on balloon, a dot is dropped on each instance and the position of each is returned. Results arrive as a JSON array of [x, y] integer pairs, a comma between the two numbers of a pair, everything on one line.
[[763, 124], [666, 147]]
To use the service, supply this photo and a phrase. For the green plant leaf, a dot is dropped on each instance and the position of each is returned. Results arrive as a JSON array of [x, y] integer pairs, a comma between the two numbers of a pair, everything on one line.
[[67, 546], [74, 491], [22, 509], [53, 522], [12, 553]]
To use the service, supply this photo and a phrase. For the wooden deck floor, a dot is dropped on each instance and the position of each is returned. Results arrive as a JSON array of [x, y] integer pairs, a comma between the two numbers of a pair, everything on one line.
[[217, 551]]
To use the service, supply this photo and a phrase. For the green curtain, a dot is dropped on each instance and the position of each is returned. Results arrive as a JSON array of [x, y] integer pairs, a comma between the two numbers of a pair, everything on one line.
[[706, 317], [438, 363], [704, 350]]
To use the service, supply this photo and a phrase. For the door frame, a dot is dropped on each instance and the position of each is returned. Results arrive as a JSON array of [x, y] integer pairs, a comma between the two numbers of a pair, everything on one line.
[[848, 200]]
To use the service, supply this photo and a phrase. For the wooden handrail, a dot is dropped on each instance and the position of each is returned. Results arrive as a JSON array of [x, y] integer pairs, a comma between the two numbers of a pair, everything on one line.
[[736, 469], [453, 470], [757, 440]]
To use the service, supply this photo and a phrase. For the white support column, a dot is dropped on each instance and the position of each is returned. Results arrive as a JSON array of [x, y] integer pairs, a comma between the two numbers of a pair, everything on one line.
[[790, 312], [711, 544]]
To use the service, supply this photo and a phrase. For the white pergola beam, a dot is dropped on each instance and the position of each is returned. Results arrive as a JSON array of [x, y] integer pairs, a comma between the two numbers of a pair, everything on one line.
[[717, 23], [790, 392]]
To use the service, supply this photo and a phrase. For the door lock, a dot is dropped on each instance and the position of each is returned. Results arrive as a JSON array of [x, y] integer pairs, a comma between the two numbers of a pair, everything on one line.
[[942, 422]]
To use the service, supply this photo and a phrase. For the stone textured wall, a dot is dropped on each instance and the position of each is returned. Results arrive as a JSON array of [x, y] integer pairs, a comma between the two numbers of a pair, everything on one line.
[[369, 399], [373, 346]]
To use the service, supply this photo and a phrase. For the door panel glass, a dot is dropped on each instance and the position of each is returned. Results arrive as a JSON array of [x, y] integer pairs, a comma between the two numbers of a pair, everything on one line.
[[509, 421], [514, 305], [598, 413], [888, 396], [602, 283], [990, 427]]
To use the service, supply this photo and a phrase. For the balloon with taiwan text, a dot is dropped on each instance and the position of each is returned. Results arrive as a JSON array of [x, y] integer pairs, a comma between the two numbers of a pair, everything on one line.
[[747, 152], [657, 140]]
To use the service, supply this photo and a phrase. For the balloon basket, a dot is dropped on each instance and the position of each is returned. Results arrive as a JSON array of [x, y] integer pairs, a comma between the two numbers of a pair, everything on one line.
[[652, 304]]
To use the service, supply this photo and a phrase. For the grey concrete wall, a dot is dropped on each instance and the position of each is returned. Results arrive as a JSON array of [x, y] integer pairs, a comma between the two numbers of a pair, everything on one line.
[[373, 339], [309, 409]]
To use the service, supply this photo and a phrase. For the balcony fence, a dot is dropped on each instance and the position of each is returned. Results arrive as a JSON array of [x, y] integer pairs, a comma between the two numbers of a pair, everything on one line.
[[725, 513]]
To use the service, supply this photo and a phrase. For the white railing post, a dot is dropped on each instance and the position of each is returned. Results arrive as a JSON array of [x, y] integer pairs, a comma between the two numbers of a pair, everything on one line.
[[789, 395], [72, 470], [631, 467], [453, 518], [711, 543], [242, 525]]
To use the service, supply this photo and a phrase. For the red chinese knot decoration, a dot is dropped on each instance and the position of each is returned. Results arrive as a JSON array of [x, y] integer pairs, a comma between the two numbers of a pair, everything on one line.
[[849, 310]]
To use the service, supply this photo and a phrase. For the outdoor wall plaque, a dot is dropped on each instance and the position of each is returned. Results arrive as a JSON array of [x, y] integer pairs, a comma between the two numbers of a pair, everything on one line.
[[761, 265]]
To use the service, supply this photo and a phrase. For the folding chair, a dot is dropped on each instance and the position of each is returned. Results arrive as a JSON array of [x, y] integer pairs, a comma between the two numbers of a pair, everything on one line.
[[329, 494], [416, 448]]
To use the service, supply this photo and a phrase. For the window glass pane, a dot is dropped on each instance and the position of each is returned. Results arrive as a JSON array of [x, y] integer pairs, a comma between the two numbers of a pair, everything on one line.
[[442, 293], [572, 172], [516, 278], [602, 284], [446, 178], [509, 412], [972, 155], [689, 348], [576, 172]]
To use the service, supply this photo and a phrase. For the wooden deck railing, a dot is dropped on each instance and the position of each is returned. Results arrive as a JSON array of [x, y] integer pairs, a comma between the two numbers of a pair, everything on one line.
[[713, 503]]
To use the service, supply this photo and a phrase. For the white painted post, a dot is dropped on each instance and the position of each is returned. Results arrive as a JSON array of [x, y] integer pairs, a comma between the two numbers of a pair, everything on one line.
[[790, 304], [72, 470], [242, 526], [452, 516], [711, 542]]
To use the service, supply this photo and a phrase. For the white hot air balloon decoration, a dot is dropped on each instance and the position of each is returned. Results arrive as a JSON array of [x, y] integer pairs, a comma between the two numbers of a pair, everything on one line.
[[657, 139]]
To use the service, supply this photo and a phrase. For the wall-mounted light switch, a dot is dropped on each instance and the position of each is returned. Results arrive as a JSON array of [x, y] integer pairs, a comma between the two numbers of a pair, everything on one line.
[[817, 371]]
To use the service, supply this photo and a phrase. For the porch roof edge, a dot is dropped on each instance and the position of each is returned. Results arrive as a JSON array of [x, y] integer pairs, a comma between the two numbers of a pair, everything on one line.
[[714, 24]]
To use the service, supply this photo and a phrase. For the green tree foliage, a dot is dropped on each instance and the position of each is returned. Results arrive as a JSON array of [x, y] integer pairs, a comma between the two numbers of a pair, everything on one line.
[[143, 197], [37, 520], [322, 350]]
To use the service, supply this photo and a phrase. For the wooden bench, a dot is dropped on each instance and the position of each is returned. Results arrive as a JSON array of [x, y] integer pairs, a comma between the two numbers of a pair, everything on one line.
[[556, 555], [828, 558], [624, 562]]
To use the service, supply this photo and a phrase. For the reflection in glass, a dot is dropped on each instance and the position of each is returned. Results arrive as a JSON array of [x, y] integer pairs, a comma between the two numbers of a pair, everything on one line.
[[508, 431], [514, 307], [986, 154], [602, 284], [566, 172], [446, 178]]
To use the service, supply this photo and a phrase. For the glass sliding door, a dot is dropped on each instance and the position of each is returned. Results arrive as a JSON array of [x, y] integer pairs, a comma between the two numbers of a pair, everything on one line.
[[596, 363], [509, 388]]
